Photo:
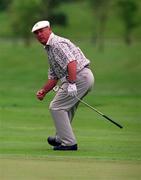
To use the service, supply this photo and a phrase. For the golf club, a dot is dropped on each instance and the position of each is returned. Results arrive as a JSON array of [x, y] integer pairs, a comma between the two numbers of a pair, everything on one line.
[[99, 113], [56, 88]]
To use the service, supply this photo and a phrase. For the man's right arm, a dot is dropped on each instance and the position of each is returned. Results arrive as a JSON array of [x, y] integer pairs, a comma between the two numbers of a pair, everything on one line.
[[50, 84]]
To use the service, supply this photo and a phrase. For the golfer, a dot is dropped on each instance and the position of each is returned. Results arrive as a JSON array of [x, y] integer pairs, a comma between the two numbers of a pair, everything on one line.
[[68, 65]]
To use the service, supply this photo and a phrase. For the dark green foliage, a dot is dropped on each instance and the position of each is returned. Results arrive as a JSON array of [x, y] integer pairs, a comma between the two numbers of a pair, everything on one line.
[[4, 4], [128, 13], [58, 18], [98, 3], [49, 8], [25, 13], [102, 21], [101, 11]]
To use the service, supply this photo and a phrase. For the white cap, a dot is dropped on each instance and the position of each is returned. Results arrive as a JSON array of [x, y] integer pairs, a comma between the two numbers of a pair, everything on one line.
[[40, 25]]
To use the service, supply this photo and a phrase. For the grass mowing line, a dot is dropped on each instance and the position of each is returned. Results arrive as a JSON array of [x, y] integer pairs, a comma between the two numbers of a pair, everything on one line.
[[69, 158], [66, 157]]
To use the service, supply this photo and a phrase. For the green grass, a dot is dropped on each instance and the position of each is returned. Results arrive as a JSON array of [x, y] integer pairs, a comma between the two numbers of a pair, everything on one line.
[[105, 151]]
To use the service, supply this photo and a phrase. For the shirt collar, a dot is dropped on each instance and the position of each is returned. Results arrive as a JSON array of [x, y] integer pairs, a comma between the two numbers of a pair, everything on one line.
[[49, 39]]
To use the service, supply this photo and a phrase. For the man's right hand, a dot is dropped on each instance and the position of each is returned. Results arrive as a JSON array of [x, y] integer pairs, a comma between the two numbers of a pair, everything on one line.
[[41, 94]]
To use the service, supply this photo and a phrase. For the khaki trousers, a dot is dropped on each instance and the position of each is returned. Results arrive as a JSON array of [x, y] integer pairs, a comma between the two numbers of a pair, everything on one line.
[[63, 107]]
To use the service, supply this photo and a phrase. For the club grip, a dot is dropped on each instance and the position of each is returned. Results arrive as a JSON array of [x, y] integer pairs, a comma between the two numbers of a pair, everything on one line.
[[113, 121]]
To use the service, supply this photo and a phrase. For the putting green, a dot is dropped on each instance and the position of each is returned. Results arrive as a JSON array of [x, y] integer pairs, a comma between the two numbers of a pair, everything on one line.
[[58, 168]]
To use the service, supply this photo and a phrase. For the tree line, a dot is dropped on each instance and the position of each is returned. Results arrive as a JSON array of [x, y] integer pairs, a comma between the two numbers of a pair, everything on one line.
[[27, 12]]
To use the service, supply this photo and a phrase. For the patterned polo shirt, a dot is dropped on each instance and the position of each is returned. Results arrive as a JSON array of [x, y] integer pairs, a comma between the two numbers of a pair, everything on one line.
[[60, 52]]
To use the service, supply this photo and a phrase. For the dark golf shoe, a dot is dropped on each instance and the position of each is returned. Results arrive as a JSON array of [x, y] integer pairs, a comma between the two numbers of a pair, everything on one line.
[[65, 148], [53, 141]]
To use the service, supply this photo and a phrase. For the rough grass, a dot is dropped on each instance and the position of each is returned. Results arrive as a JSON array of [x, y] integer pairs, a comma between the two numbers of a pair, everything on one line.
[[68, 168]]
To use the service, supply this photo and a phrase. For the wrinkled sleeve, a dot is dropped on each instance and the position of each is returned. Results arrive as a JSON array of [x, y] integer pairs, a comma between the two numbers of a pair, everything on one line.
[[63, 54]]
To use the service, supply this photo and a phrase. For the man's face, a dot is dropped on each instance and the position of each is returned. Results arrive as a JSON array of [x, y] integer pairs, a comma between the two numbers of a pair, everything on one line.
[[43, 34]]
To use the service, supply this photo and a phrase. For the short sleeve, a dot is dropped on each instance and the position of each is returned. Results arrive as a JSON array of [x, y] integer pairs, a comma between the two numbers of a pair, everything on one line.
[[63, 54]]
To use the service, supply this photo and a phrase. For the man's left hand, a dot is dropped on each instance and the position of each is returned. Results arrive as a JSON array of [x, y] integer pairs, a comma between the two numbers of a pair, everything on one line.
[[72, 90]]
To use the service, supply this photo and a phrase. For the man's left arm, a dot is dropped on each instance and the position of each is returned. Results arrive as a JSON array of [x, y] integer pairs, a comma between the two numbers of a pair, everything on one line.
[[72, 89]]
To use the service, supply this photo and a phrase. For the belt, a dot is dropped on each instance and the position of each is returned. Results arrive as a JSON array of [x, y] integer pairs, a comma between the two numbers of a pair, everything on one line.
[[87, 66]]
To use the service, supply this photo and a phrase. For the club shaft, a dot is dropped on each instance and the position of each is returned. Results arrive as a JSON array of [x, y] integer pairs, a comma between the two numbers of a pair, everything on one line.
[[109, 119]]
